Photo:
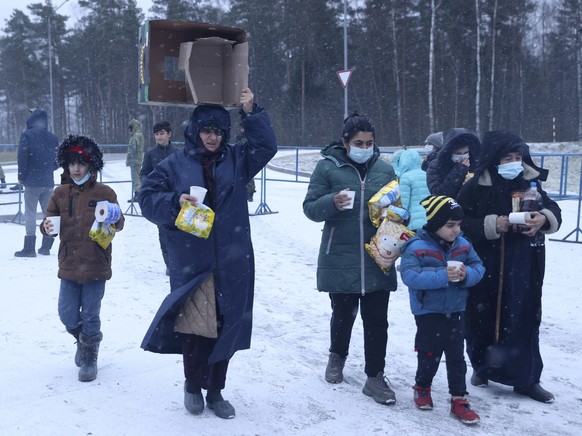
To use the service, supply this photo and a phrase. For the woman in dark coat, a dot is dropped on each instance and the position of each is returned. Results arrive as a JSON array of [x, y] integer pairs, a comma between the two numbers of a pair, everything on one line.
[[227, 255], [344, 269], [508, 353], [455, 160]]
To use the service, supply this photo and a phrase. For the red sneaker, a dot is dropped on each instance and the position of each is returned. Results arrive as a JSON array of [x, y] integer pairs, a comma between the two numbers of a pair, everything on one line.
[[422, 398], [461, 410]]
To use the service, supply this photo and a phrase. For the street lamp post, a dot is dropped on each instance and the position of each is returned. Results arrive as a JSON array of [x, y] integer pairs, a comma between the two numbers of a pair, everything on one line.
[[345, 56], [50, 62]]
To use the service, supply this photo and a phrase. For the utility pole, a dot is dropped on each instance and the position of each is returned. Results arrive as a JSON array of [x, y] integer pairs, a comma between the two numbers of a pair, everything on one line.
[[50, 62]]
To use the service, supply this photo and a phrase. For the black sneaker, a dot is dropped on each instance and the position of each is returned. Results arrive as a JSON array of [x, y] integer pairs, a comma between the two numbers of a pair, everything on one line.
[[335, 367], [536, 392], [378, 388], [478, 381]]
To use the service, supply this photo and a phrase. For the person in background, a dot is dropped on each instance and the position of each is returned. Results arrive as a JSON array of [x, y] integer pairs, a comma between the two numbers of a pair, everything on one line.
[[84, 266], [2, 178], [163, 149], [36, 165], [438, 294], [134, 158], [454, 163], [432, 144], [413, 188], [344, 270], [242, 139], [504, 310], [222, 266]]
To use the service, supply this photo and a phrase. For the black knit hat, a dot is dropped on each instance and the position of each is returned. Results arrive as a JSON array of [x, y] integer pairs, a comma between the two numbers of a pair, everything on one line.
[[439, 210], [83, 146]]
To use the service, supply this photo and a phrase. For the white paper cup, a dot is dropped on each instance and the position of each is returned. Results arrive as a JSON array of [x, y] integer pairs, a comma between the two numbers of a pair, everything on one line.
[[519, 217], [56, 222], [199, 192], [455, 263], [352, 195]]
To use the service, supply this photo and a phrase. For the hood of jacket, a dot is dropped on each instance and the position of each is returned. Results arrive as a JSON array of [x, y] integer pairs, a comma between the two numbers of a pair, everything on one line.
[[38, 119], [135, 126], [406, 160], [203, 116], [498, 143], [455, 138]]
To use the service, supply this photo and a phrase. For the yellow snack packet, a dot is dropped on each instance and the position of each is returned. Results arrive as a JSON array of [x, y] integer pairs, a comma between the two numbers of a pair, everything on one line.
[[384, 247], [102, 233], [196, 220], [379, 204]]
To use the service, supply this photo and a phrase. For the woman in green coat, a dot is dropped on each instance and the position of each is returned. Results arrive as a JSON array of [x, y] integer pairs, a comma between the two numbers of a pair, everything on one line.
[[345, 270]]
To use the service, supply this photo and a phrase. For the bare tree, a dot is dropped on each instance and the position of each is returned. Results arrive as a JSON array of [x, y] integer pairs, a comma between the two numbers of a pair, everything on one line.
[[478, 59], [431, 65], [492, 79], [396, 73]]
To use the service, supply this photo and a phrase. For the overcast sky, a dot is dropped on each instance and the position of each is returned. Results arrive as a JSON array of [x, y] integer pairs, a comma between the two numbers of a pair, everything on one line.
[[70, 8]]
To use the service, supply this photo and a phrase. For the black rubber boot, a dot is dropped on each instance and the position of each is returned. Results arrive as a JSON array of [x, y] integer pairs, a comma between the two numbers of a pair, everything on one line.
[[89, 354], [28, 250], [78, 354], [2, 183], [47, 243]]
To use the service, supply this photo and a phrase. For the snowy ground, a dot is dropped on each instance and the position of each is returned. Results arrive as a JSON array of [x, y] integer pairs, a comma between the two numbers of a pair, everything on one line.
[[277, 387]]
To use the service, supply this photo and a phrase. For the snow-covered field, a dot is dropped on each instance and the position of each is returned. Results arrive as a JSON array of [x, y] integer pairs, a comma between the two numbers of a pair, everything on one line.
[[277, 387]]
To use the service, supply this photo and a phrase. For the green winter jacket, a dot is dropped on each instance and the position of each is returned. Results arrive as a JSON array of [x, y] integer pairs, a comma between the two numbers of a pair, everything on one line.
[[343, 265]]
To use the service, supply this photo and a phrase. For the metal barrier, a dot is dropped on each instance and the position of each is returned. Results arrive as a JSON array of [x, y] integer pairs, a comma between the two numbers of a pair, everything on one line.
[[568, 167]]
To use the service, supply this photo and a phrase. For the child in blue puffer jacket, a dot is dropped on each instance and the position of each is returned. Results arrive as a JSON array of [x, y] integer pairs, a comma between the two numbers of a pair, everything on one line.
[[437, 298]]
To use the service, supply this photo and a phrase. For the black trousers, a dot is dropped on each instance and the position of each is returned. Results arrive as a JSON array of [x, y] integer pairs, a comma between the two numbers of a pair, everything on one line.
[[196, 350], [374, 313], [437, 333], [162, 236]]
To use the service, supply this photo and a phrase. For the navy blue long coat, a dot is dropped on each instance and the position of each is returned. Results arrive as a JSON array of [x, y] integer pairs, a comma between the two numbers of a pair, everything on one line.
[[228, 252]]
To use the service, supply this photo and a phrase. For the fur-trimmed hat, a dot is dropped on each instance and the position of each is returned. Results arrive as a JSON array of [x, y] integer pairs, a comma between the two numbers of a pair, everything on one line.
[[439, 210], [83, 146]]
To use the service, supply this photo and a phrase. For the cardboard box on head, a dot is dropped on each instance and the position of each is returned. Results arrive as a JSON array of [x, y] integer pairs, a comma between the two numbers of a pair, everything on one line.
[[183, 63]]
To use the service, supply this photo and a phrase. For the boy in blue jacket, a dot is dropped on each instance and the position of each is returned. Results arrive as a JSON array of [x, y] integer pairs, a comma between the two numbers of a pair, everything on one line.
[[437, 298]]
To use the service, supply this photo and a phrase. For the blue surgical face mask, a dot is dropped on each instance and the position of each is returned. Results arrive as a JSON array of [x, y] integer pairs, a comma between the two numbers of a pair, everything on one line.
[[83, 180], [428, 148], [510, 170], [459, 157], [360, 155]]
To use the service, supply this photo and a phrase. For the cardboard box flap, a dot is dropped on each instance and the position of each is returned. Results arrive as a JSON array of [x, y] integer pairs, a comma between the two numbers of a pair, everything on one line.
[[216, 70]]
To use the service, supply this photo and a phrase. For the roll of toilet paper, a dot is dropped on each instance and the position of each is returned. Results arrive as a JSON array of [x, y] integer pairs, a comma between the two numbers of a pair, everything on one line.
[[108, 213], [519, 217]]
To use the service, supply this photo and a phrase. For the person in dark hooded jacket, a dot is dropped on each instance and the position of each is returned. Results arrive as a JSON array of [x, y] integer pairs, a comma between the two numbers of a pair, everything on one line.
[[454, 163], [222, 264], [36, 165], [503, 313]]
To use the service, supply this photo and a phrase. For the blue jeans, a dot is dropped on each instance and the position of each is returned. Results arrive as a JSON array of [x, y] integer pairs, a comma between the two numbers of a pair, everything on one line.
[[32, 196], [80, 305]]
